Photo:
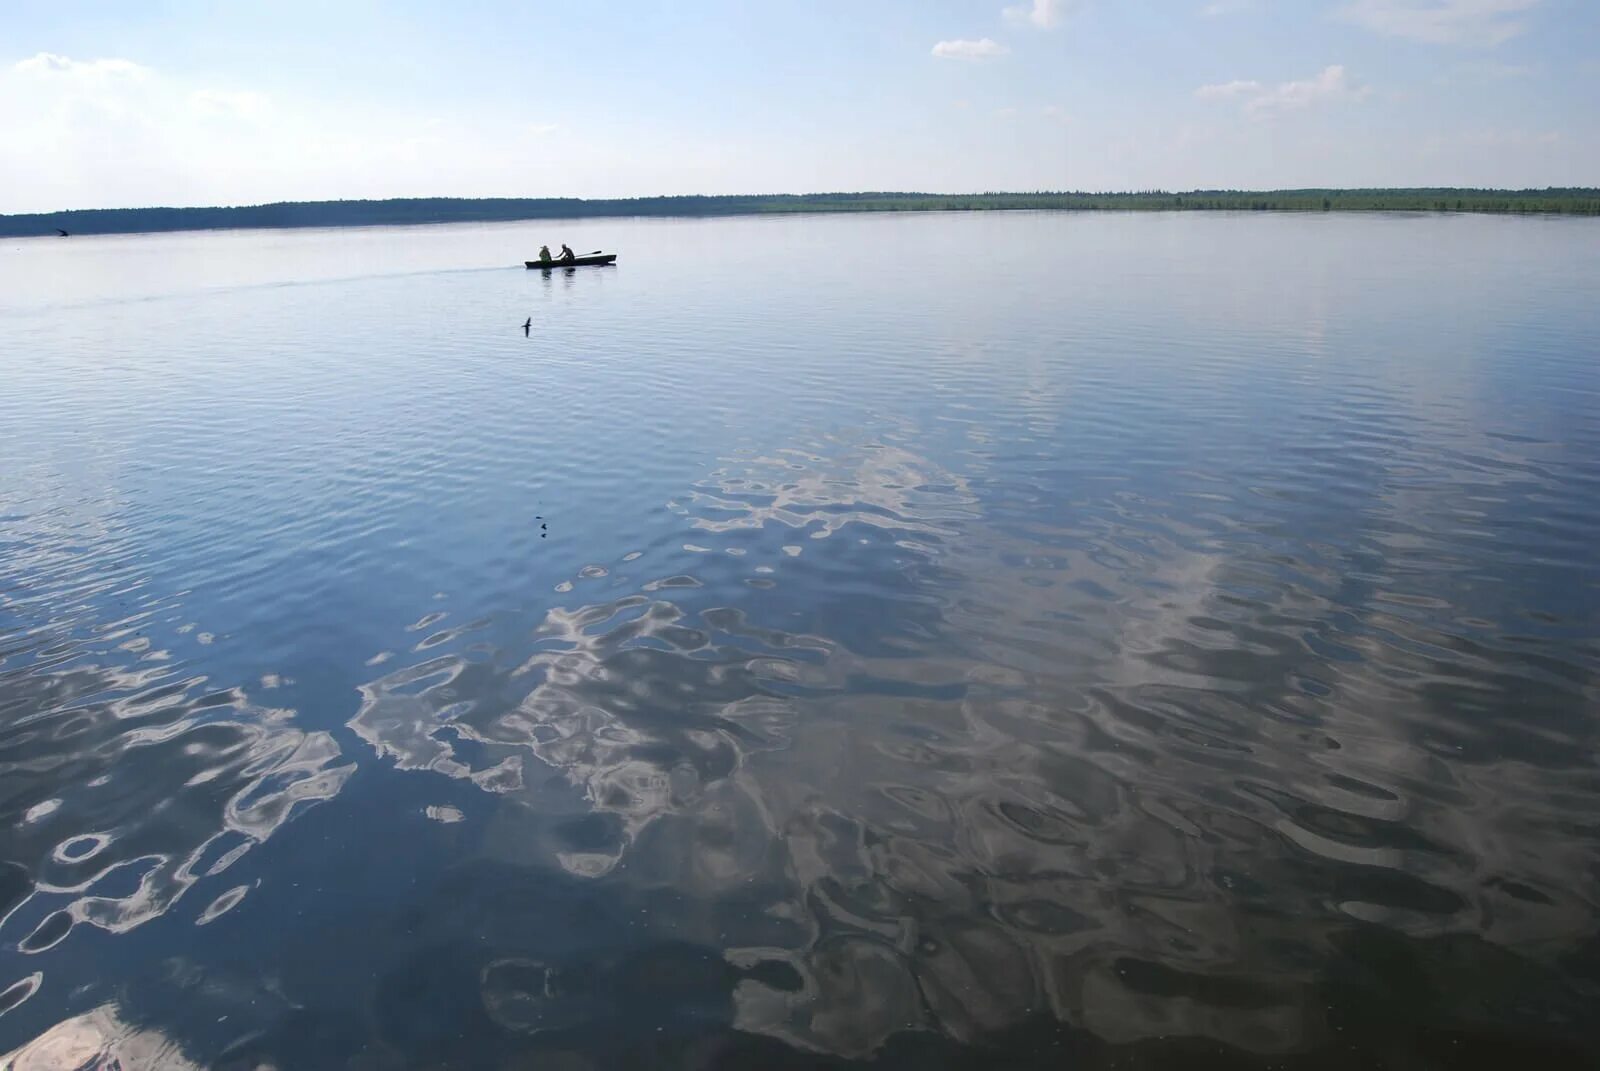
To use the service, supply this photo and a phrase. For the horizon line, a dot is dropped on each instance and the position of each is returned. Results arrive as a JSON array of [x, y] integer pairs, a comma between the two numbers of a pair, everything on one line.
[[1591, 191]]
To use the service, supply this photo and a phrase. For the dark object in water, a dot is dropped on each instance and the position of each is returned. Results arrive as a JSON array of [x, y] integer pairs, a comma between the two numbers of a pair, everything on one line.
[[593, 258]]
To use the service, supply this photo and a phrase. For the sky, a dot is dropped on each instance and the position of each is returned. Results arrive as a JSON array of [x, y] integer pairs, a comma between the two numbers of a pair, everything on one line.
[[123, 103]]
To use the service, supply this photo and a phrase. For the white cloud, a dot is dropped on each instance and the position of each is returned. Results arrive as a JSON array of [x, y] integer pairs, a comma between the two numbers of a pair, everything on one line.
[[110, 132], [1224, 7], [104, 134], [981, 49], [223, 104], [1261, 102], [56, 93], [1045, 14], [1441, 22], [50, 65], [1235, 88], [1331, 84]]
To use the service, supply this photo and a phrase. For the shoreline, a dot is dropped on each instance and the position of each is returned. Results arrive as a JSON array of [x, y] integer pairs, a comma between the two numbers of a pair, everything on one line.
[[1562, 201]]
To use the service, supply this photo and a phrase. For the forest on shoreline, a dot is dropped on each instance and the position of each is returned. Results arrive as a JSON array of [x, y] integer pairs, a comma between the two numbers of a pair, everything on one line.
[[409, 210]]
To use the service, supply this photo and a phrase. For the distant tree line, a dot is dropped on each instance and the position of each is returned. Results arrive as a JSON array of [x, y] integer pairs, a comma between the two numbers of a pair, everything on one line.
[[1555, 200]]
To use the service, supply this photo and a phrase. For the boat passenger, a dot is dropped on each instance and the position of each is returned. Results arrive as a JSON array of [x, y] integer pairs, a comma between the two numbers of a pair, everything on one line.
[[567, 255], [544, 254]]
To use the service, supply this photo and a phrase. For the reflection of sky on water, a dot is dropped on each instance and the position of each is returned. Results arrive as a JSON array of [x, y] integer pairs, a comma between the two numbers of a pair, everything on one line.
[[98, 1040], [1126, 769], [1216, 670], [181, 780]]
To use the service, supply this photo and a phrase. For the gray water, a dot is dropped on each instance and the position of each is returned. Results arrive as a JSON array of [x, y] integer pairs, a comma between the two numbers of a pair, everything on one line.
[[953, 640]]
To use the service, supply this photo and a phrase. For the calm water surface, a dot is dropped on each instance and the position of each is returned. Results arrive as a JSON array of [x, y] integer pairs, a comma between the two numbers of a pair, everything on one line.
[[972, 640]]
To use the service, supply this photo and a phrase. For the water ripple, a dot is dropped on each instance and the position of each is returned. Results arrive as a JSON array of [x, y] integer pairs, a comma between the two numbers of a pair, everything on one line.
[[773, 665]]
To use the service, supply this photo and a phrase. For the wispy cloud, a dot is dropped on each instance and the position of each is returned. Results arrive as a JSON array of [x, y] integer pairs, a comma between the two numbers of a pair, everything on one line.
[[230, 105], [93, 132], [57, 92], [50, 65], [1045, 14], [1237, 88], [981, 49], [1225, 7], [1492, 69], [1262, 101], [1484, 23]]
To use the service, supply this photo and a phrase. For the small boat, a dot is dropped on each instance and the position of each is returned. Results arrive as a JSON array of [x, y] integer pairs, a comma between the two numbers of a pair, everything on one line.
[[575, 262]]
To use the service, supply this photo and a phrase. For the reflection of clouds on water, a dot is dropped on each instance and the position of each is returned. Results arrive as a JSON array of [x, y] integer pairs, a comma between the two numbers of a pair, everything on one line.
[[181, 784], [98, 1040], [1096, 765], [178, 1016], [884, 486], [639, 705], [1162, 651], [1257, 697], [638, 710], [407, 714], [128, 779], [642, 711], [126, 787]]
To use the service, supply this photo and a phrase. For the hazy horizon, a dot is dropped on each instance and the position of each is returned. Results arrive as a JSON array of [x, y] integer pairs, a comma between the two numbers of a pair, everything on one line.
[[123, 105], [758, 194]]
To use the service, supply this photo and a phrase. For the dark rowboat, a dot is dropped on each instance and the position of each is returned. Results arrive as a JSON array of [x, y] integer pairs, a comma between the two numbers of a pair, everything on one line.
[[575, 262]]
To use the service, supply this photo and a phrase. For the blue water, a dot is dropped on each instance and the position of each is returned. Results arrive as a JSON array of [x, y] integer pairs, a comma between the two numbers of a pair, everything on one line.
[[951, 640]]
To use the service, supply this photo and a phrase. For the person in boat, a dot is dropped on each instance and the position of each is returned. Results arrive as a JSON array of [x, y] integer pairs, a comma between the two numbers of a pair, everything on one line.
[[567, 255], [544, 254]]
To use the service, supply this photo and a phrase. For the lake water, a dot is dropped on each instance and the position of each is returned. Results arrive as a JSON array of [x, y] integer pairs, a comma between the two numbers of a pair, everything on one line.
[[983, 640]]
